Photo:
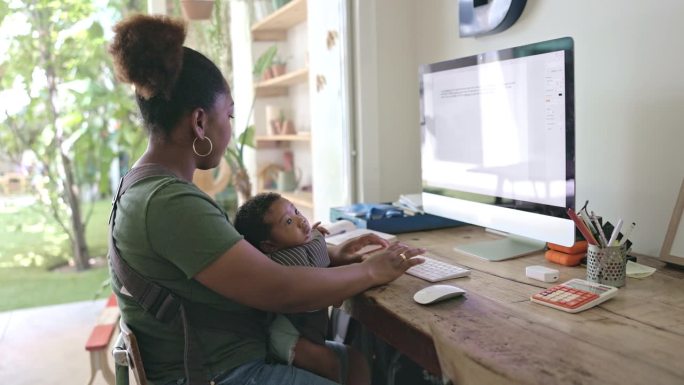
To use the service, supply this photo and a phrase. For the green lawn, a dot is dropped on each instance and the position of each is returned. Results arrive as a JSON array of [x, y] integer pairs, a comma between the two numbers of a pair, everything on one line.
[[32, 245], [33, 286]]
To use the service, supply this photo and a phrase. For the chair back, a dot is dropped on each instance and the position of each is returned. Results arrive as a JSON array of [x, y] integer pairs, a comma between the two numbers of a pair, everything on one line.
[[133, 353]]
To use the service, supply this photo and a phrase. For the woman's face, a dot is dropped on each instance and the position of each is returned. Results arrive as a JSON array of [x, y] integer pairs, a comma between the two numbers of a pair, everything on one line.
[[220, 127]]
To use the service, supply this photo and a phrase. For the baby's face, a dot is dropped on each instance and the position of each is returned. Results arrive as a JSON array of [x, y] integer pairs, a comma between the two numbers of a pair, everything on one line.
[[288, 226]]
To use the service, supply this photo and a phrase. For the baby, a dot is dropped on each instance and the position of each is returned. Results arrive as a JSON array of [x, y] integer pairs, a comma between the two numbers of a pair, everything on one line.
[[273, 224]]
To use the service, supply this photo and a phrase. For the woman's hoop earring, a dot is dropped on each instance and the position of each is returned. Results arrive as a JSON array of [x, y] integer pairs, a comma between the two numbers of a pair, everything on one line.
[[211, 147]]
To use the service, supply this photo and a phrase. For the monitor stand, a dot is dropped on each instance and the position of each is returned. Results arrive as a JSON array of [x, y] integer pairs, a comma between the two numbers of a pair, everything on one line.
[[512, 246]]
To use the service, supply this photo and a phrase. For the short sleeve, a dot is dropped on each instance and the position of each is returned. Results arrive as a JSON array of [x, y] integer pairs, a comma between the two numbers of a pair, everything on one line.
[[187, 228]]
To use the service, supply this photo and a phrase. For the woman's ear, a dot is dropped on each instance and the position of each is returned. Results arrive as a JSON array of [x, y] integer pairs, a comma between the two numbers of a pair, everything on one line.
[[267, 246], [198, 121]]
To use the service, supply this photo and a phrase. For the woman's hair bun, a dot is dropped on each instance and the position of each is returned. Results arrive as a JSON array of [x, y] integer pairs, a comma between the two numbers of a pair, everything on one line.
[[148, 52]]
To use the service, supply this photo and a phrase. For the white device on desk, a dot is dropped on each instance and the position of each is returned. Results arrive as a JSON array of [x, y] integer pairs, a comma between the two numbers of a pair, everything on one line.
[[542, 273], [433, 270], [435, 293], [575, 295]]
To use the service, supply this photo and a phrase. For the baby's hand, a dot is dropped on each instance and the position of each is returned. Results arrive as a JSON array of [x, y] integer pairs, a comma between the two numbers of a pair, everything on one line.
[[320, 228]]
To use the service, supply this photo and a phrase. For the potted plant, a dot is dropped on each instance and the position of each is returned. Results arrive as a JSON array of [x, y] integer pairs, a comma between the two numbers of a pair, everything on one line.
[[278, 66], [262, 66]]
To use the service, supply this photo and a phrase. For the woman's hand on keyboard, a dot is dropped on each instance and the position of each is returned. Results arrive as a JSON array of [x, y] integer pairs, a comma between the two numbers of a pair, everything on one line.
[[389, 264]]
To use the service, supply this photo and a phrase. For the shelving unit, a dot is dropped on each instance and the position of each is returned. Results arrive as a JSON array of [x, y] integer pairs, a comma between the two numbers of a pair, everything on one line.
[[301, 199], [284, 27], [278, 86], [274, 27], [303, 137]]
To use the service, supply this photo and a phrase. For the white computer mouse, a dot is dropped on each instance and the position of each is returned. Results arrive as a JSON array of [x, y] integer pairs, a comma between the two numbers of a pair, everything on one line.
[[435, 293]]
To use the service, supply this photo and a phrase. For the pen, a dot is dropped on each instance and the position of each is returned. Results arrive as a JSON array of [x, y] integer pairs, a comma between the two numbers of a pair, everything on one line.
[[587, 222], [627, 233], [616, 231], [600, 229]]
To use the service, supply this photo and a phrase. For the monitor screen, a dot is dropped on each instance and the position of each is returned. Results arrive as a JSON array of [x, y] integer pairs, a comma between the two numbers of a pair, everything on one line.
[[498, 142]]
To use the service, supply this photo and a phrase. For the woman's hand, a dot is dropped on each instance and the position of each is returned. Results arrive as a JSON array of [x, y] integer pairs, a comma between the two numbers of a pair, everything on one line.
[[347, 252], [390, 264]]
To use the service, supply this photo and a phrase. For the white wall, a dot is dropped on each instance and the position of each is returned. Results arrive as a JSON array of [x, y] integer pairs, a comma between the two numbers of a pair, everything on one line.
[[628, 86]]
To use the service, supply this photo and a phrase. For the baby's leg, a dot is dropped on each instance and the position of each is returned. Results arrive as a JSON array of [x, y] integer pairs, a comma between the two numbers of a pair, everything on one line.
[[283, 338]]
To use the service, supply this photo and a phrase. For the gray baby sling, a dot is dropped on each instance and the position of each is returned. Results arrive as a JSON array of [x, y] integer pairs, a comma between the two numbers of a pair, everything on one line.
[[164, 305]]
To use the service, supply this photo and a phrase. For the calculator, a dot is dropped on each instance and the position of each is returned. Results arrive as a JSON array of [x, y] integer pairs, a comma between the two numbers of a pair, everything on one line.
[[575, 295]]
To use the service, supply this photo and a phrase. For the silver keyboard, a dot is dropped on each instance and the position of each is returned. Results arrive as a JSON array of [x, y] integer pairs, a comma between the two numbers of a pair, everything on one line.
[[433, 270]]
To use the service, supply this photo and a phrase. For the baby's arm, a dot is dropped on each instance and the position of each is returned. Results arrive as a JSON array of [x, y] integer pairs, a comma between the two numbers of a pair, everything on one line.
[[321, 229]]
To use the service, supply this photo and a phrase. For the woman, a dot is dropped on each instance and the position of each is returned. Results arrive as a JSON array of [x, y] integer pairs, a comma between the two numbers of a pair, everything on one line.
[[171, 233]]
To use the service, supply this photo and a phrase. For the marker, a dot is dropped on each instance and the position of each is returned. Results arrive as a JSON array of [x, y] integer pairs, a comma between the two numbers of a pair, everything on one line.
[[627, 233], [616, 231]]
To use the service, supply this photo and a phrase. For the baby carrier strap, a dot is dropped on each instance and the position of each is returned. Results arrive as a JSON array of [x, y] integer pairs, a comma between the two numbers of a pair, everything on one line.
[[161, 303]]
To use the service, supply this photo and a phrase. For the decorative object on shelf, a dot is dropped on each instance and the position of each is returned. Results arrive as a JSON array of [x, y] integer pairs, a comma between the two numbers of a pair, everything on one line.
[[288, 180], [331, 39], [320, 82], [273, 114], [279, 3], [278, 67], [197, 9], [284, 126], [269, 176], [287, 127], [289, 177], [212, 182]]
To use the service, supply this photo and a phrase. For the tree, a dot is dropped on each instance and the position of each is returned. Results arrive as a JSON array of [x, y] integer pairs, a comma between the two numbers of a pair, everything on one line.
[[70, 113]]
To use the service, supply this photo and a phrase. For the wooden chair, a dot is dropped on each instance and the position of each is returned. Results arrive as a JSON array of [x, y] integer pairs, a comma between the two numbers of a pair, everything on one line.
[[100, 338], [459, 369], [127, 355]]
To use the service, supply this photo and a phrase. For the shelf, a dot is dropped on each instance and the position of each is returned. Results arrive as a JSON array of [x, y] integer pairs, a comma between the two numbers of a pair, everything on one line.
[[298, 198], [278, 86], [304, 136], [275, 26]]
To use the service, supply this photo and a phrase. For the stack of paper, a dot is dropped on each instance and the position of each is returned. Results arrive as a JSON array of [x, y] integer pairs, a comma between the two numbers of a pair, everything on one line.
[[412, 202], [637, 270], [343, 231]]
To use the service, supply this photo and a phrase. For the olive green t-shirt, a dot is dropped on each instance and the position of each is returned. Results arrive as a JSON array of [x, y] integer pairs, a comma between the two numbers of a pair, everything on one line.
[[168, 230]]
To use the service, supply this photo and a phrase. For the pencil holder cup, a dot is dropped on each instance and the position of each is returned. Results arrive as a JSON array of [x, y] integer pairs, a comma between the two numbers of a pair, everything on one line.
[[607, 265]]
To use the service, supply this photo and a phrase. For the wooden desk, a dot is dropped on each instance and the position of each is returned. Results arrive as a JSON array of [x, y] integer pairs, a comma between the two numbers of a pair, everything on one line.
[[635, 338]]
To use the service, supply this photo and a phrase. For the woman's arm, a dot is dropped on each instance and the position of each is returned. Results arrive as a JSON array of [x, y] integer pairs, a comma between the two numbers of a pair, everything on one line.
[[245, 275]]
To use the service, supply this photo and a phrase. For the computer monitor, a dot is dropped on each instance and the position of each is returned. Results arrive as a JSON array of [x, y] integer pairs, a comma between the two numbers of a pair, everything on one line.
[[498, 145]]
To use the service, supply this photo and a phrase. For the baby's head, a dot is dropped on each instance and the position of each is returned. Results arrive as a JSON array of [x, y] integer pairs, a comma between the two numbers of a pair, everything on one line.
[[270, 223]]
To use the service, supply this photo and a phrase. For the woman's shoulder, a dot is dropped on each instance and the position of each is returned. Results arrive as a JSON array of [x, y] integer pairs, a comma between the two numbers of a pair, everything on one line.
[[164, 187]]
